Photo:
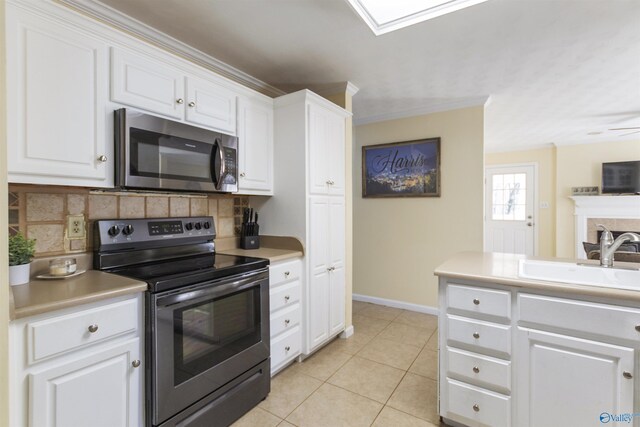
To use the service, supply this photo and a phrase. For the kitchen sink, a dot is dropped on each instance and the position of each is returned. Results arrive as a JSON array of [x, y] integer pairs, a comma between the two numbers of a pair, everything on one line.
[[581, 274]]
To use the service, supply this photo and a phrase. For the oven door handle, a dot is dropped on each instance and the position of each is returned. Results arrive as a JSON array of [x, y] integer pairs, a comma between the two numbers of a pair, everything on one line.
[[206, 291]]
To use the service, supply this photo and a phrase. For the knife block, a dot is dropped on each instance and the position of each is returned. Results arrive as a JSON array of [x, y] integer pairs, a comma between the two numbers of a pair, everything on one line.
[[250, 242]]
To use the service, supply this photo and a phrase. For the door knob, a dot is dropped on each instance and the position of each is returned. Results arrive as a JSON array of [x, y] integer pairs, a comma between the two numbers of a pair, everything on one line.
[[286, 297], [93, 328], [476, 335], [135, 363], [476, 408], [476, 369], [191, 104], [287, 348], [102, 159], [242, 174], [179, 101], [529, 224], [627, 375], [476, 301]]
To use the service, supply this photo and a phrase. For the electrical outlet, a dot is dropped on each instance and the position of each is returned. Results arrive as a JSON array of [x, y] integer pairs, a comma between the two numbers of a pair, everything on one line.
[[544, 205], [75, 227]]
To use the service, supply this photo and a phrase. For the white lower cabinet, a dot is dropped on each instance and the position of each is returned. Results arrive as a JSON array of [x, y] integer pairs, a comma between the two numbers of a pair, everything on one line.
[[89, 374], [513, 358], [286, 312]]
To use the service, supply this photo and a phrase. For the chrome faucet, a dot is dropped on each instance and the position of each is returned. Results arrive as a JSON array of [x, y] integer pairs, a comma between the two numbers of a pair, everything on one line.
[[608, 246]]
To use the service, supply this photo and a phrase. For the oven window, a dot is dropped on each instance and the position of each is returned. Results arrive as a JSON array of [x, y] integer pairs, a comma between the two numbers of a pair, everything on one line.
[[208, 333]]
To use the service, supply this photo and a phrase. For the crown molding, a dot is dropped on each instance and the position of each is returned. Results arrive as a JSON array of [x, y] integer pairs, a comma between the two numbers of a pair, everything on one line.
[[119, 20], [419, 111]]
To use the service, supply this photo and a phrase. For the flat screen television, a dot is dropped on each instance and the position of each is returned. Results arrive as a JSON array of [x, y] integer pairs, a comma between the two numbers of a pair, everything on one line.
[[621, 177]]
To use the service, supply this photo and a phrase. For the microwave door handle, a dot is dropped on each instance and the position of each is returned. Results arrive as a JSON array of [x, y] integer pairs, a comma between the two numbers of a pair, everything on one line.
[[217, 177]]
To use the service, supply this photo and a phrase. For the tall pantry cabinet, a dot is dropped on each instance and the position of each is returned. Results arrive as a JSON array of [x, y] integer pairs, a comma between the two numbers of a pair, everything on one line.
[[309, 172]]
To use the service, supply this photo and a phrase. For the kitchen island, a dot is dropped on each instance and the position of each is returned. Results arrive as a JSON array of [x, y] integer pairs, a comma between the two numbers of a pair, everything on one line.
[[516, 351]]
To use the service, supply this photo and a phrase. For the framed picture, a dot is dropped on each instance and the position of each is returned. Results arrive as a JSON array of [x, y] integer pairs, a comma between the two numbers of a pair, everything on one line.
[[402, 169]]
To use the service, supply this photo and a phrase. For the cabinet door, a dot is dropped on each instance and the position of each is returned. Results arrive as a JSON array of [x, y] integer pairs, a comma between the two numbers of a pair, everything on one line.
[[336, 232], [318, 295], [210, 104], [255, 147], [567, 381], [56, 90], [147, 84], [103, 389], [319, 156], [336, 154]]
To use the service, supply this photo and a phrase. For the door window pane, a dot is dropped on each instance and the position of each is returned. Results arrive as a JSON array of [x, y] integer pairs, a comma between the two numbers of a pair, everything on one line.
[[509, 196]]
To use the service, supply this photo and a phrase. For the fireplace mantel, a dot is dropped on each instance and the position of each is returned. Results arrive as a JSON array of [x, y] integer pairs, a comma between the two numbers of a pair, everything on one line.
[[619, 207]]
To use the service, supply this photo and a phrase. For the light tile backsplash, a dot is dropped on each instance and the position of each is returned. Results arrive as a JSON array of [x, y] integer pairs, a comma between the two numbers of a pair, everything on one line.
[[41, 212]]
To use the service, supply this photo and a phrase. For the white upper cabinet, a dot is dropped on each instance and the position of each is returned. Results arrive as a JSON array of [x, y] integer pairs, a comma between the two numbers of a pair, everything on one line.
[[326, 151], [146, 84], [210, 104], [156, 86], [57, 83], [255, 142]]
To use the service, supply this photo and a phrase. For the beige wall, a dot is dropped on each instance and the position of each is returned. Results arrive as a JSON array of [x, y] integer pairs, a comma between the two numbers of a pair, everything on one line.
[[398, 242], [545, 158], [4, 258], [577, 166]]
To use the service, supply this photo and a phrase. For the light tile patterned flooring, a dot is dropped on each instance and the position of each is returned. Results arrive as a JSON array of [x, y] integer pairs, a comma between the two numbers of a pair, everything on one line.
[[382, 376]]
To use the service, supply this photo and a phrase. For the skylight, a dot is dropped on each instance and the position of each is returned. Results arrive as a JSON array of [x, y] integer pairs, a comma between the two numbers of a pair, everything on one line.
[[383, 16]]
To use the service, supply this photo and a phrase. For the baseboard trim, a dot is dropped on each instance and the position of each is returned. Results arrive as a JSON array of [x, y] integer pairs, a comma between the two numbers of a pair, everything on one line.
[[397, 304], [347, 332]]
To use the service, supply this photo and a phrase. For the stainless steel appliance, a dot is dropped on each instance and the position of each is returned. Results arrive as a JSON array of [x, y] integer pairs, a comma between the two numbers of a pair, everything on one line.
[[160, 154], [207, 318]]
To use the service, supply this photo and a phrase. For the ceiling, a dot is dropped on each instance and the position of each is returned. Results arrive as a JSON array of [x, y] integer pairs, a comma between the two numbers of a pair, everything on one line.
[[552, 70]]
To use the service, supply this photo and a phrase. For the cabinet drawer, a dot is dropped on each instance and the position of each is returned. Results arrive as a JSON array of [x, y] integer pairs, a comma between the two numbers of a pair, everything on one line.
[[474, 406], [285, 319], [285, 347], [479, 335], [285, 295], [580, 316], [59, 334], [479, 369], [284, 272], [479, 301]]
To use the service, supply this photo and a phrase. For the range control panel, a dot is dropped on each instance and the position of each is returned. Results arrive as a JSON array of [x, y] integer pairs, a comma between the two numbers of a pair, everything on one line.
[[132, 231]]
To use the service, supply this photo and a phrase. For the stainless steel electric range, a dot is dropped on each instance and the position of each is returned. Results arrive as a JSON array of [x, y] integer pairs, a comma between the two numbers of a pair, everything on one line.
[[207, 318]]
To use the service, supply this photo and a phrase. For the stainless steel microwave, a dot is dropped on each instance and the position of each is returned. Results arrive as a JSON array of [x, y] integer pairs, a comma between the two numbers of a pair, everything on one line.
[[159, 154]]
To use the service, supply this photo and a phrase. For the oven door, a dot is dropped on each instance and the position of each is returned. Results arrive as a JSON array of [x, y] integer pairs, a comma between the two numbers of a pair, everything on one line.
[[204, 336]]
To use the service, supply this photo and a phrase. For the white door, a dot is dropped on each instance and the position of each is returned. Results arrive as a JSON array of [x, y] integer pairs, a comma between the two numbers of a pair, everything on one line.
[[336, 154], [336, 264], [146, 84], [318, 298], [210, 104], [566, 381], [319, 156], [255, 151], [510, 209], [99, 390]]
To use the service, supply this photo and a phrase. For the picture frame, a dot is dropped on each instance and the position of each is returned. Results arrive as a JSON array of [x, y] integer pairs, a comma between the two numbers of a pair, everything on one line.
[[402, 169]]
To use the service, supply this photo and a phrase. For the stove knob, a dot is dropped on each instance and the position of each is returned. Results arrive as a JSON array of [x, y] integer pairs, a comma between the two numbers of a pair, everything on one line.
[[198, 226], [189, 226], [113, 231], [206, 225], [127, 230]]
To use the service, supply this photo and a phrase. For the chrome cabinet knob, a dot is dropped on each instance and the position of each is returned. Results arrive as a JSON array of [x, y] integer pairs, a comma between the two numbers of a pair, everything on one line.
[[529, 224], [191, 104], [476, 369], [93, 328], [102, 158], [476, 408], [627, 375], [287, 297], [638, 328], [135, 363], [476, 335], [287, 321], [287, 273], [242, 174], [476, 301], [179, 101], [287, 348]]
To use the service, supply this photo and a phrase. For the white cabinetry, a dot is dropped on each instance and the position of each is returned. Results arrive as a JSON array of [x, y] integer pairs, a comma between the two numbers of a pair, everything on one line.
[[57, 90], [309, 151], [574, 359], [255, 156], [79, 367], [156, 86], [286, 312]]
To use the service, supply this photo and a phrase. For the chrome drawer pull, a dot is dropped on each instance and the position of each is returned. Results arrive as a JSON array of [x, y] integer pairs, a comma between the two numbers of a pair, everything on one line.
[[627, 375], [287, 321], [476, 301], [476, 408], [476, 369], [93, 328], [287, 297], [287, 273], [287, 348], [476, 335], [135, 363]]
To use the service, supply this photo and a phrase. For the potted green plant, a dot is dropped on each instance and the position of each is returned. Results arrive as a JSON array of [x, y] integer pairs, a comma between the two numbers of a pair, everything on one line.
[[21, 252]]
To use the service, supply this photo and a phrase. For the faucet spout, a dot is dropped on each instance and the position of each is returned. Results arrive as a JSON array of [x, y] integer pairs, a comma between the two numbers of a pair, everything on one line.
[[608, 245]]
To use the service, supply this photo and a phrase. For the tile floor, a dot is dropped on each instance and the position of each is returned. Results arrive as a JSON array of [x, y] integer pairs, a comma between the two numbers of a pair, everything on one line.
[[382, 376]]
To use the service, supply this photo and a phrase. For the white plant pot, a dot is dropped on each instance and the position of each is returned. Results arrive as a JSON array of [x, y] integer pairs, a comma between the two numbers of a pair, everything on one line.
[[19, 274]]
